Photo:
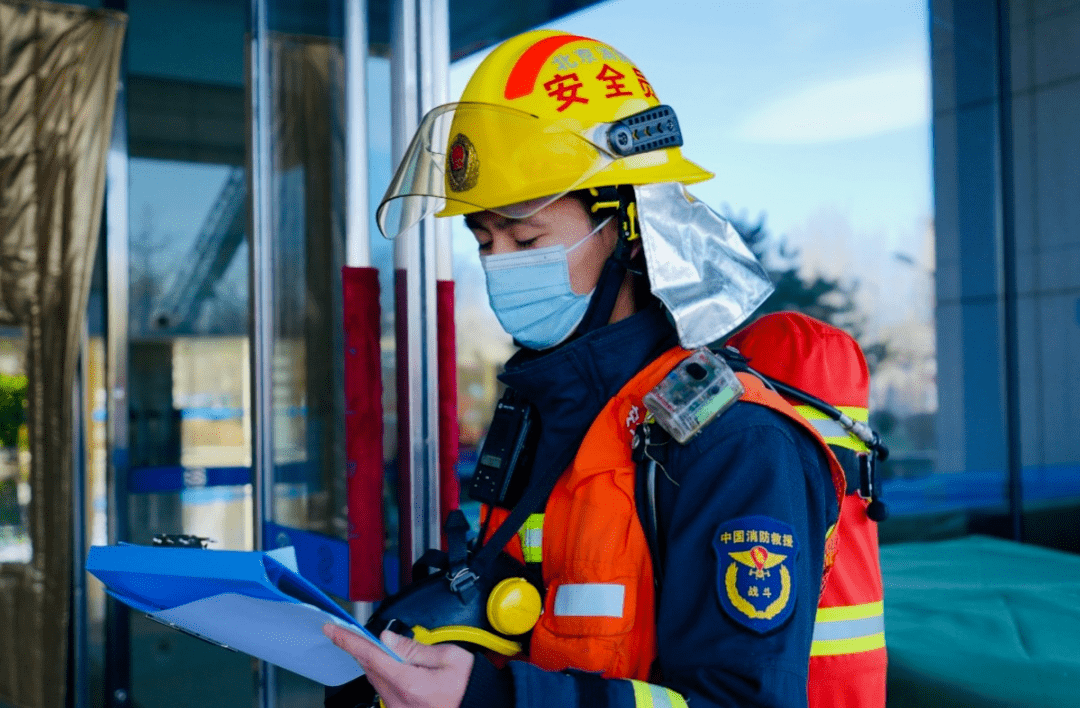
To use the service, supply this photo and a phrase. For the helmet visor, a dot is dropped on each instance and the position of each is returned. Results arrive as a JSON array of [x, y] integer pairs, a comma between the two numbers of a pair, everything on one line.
[[469, 157]]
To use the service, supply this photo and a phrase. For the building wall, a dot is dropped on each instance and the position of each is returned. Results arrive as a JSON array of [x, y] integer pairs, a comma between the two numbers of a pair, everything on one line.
[[1046, 120], [1044, 64]]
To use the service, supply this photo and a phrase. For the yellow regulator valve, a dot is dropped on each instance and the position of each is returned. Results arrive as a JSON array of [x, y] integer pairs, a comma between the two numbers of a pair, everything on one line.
[[514, 606]]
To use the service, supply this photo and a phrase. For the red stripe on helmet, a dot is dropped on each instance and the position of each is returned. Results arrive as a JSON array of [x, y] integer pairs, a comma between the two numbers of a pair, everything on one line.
[[522, 77]]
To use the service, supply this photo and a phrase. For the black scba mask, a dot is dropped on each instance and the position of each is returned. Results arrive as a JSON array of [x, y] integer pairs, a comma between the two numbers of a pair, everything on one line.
[[449, 602]]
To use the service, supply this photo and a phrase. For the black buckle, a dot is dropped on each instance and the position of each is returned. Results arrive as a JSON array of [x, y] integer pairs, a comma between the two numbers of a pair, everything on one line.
[[652, 129], [461, 576]]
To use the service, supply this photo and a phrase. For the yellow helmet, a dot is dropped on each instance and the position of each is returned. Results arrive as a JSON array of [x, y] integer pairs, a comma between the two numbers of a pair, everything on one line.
[[544, 114]]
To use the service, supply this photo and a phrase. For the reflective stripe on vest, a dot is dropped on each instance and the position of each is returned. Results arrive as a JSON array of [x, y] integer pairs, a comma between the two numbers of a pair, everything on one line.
[[849, 630], [532, 539], [831, 430], [647, 695], [590, 600]]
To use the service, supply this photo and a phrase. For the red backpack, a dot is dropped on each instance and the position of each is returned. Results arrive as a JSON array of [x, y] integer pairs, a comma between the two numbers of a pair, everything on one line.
[[847, 657]]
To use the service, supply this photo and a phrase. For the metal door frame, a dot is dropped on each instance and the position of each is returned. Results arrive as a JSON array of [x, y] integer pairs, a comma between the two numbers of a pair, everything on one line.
[[117, 257]]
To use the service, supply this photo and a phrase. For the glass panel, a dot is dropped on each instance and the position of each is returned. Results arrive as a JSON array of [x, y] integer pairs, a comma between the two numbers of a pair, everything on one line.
[[15, 491], [189, 384], [306, 228], [380, 170], [188, 369], [189, 399]]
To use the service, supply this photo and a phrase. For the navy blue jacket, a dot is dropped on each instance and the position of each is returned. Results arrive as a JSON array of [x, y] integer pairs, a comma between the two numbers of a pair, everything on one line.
[[749, 462]]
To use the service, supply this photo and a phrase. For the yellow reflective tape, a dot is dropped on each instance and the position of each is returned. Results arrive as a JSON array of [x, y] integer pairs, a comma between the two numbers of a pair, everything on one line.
[[647, 695], [832, 431], [642, 694], [535, 521], [853, 412], [831, 620], [532, 538], [835, 647], [850, 612], [849, 441]]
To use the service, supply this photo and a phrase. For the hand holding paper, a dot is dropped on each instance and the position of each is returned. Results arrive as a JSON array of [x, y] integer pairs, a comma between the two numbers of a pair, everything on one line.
[[250, 601], [426, 676]]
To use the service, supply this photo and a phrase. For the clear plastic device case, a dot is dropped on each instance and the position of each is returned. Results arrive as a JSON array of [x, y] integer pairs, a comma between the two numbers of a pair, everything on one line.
[[696, 391]]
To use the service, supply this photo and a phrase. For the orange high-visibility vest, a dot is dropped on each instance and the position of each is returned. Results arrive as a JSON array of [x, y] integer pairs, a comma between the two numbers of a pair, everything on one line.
[[599, 608], [847, 657]]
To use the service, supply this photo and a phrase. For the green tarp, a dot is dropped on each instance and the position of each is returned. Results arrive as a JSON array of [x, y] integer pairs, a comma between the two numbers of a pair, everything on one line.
[[979, 621]]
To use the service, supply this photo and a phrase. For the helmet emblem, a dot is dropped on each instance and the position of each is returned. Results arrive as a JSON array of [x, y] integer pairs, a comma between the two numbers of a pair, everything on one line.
[[464, 167]]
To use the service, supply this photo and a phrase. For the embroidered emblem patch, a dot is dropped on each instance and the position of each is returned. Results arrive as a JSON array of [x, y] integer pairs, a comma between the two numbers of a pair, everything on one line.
[[463, 165], [756, 571]]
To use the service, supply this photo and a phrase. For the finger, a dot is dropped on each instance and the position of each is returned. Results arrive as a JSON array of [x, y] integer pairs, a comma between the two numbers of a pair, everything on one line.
[[413, 652], [367, 653]]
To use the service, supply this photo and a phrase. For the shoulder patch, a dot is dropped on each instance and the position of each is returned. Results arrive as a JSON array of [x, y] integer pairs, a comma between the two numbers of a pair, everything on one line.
[[755, 568]]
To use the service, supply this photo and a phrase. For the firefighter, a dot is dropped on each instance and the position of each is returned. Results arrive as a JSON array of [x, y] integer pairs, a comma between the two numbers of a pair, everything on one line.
[[610, 276]]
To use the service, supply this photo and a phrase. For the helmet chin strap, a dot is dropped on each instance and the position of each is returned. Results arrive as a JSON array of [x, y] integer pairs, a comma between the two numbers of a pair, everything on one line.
[[621, 201]]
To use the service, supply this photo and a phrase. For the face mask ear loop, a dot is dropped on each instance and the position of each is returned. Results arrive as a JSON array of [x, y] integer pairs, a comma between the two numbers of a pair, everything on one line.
[[589, 235], [607, 289], [621, 201]]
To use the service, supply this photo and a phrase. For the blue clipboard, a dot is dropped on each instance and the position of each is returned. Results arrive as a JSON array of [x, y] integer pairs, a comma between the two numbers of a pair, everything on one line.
[[249, 601]]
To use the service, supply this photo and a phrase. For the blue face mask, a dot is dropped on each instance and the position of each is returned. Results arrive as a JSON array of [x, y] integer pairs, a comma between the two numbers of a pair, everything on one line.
[[530, 294]]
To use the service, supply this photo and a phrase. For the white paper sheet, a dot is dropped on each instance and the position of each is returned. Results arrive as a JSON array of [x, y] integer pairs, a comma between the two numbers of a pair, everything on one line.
[[285, 634]]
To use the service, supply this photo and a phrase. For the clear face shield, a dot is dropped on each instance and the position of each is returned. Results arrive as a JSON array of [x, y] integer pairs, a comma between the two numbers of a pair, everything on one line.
[[469, 157]]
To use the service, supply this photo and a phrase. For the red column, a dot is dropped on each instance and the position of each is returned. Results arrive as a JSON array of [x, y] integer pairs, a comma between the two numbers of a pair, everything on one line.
[[363, 431]]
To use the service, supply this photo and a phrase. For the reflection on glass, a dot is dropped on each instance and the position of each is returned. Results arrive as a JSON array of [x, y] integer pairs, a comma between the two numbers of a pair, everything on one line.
[[189, 398], [188, 378], [305, 234], [15, 492], [189, 366], [188, 270], [306, 228]]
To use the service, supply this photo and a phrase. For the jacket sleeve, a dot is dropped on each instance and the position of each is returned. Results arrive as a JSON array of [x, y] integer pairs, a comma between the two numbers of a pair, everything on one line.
[[751, 462], [755, 463]]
